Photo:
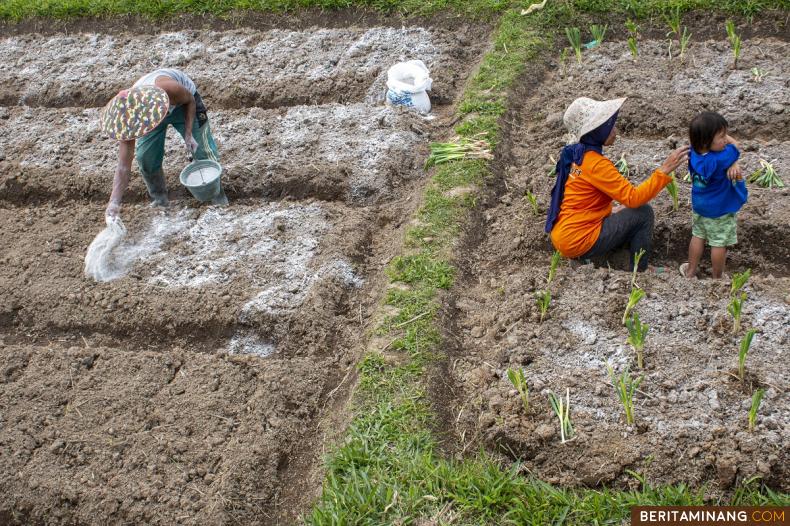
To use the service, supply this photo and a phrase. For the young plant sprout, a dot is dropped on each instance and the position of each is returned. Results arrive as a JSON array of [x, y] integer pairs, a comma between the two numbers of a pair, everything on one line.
[[555, 261], [598, 33], [563, 58], [735, 42], [625, 386], [633, 32], [637, 332], [673, 21], [575, 38], [672, 188], [684, 42], [553, 171], [544, 300], [766, 176], [632, 47], [637, 258], [745, 344], [533, 200], [633, 299], [622, 166], [758, 74], [757, 398], [458, 149], [516, 377], [739, 279], [734, 308], [563, 412]]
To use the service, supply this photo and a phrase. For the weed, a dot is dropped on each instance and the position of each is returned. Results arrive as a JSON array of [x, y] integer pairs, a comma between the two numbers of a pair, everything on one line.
[[533, 201], [766, 176], [673, 21], [735, 42], [563, 412], [575, 38], [598, 32], [734, 308], [458, 149], [746, 342], [516, 377], [633, 299], [637, 332], [672, 188], [622, 166], [739, 279], [757, 398], [544, 300], [637, 258], [684, 42], [758, 74], [555, 261], [625, 386]]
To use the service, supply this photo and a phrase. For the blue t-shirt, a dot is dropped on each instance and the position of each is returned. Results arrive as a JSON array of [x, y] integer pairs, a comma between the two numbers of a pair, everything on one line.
[[712, 192]]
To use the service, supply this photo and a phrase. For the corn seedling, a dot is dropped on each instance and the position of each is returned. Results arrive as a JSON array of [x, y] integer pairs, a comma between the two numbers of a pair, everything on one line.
[[533, 201], [563, 412], [758, 74], [757, 398], [598, 33], [516, 377], [735, 42], [739, 279], [637, 258], [625, 386], [632, 28], [766, 176], [637, 332], [633, 299], [544, 300], [458, 149], [734, 308], [684, 42], [746, 342], [633, 33], [553, 171], [672, 188], [575, 38], [555, 261], [632, 47], [622, 166]]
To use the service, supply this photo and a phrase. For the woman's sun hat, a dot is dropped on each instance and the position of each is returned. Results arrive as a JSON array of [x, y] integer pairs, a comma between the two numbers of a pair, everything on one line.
[[585, 114], [133, 113]]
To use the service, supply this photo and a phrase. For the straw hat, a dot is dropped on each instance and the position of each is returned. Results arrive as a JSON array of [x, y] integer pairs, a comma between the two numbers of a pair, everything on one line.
[[134, 112], [585, 114]]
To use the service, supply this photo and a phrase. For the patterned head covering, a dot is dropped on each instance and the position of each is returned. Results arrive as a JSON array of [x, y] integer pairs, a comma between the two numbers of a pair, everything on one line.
[[134, 112]]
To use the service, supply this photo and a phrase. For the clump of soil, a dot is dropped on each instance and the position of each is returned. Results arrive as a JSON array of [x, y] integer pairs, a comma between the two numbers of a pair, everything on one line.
[[691, 412]]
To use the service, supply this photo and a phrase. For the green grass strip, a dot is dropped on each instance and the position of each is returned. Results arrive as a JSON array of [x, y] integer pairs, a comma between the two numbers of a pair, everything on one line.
[[387, 470]]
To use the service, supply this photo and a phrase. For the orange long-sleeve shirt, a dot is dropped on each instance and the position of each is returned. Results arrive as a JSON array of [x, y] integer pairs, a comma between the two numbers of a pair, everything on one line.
[[589, 192]]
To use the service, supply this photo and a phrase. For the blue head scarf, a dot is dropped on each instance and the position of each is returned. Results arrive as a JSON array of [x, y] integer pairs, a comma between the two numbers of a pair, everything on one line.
[[573, 154]]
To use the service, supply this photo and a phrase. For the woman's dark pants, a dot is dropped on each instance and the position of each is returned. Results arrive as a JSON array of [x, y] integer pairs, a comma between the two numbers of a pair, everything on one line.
[[631, 227]]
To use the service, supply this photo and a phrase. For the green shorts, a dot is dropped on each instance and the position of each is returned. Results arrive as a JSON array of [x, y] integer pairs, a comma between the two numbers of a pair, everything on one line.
[[718, 231]]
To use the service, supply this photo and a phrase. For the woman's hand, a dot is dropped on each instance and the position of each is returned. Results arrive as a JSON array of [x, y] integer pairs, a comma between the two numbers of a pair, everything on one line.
[[675, 159]]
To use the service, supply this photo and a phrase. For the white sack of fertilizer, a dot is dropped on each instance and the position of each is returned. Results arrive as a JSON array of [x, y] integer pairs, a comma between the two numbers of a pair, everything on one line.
[[407, 83], [99, 260]]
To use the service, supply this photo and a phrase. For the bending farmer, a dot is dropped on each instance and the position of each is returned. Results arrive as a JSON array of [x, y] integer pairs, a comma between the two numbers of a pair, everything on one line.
[[138, 118], [580, 218]]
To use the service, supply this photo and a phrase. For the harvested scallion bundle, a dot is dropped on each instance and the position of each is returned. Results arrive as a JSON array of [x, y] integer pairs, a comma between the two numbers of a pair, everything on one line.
[[622, 166], [766, 176], [457, 150]]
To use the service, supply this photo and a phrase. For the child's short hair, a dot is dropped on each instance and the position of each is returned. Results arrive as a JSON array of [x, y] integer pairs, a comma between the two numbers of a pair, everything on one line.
[[703, 129]]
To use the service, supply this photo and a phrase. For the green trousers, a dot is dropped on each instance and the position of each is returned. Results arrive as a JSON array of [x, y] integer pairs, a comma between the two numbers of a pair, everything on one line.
[[150, 151]]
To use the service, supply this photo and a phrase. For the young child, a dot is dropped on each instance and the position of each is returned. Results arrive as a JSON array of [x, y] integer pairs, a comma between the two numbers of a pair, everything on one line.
[[717, 193]]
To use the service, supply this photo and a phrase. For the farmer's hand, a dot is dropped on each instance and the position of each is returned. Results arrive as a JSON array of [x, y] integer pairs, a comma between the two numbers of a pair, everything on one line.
[[113, 211], [734, 172], [675, 159], [191, 145]]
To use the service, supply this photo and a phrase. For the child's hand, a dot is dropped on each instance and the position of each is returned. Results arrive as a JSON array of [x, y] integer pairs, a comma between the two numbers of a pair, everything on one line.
[[734, 172], [732, 141]]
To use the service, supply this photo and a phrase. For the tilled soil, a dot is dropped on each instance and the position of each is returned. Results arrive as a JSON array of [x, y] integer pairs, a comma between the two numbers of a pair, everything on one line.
[[691, 411], [196, 385]]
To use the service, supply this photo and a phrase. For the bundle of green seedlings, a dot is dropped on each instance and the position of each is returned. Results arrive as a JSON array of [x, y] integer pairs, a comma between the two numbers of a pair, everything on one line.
[[746, 343], [757, 398], [519, 381], [637, 332], [533, 201], [563, 412], [625, 386], [543, 300], [598, 32], [575, 38], [622, 166], [457, 150], [735, 42], [766, 176], [672, 188], [633, 33], [737, 297]]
